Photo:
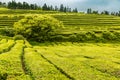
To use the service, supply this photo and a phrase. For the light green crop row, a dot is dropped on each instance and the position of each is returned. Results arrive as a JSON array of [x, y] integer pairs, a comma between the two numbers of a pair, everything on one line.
[[3, 41], [40, 68], [95, 20], [84, 62], [106, 61], [6, 46], [11, 64], [27, 44]]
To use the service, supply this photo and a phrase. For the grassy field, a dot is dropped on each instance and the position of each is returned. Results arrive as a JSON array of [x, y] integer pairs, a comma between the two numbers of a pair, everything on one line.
[[58, 61]]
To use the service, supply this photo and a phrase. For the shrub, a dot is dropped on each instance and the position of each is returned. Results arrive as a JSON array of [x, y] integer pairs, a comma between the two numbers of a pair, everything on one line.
[[91, 36], [59, 38], [81, 37], [7, 32], [73, 38], [117, 35], [109, 36], [38, 28], [18, 37], [99, 39]]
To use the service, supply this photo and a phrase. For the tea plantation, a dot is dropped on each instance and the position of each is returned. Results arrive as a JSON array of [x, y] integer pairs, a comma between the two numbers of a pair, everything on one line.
[[58, 61], [87, 48]]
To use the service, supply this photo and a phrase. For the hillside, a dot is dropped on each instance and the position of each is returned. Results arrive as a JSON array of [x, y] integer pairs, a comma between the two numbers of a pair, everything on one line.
[[82, 50], [94, 27], [79, 22], [46, 61]]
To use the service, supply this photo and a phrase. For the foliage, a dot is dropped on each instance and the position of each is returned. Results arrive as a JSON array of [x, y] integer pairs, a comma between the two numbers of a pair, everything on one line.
[[18, 37], [84, 60], [41, 69], [7, 32], [72, 38], [6, 46], [89, 11], [24, 5], [59, 38], [10, 62], [94, 32], [60, 60], [109, 36], [37, 28]]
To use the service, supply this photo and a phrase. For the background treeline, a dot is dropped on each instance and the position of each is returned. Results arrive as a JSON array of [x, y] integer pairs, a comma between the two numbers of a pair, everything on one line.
[[24, 5], [90, 11], [3, 4]]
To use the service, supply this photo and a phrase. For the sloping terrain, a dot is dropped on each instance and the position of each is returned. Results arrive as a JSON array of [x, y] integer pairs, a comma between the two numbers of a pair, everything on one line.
[[58, 61]]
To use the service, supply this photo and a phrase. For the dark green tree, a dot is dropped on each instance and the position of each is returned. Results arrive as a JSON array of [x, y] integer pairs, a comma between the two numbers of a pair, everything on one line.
[[105, 12], [61, 8], [65, 9], [51, 8], [56, 8], [19, 5], [95, 12], [31, 6], [75, 10], [44, 7], [89, 11]]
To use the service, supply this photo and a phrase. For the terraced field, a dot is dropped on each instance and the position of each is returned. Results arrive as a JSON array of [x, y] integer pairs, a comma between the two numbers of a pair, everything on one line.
[[58, 61], [85, 22], [91, 20], [74, 23], [22, 11], [61, 60], [6, 21]]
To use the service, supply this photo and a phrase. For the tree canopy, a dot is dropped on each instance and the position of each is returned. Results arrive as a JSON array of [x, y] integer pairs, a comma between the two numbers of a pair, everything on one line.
[[38, 28]]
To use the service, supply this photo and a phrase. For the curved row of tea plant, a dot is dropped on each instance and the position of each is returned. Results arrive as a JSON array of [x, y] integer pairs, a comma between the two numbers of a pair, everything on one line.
[[3, 41], [84, 61], [39, 68], [11, 65], [60, 60], [6, 46]]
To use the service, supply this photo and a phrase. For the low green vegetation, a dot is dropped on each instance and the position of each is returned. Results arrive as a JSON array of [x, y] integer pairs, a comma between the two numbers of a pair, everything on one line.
[[83, 61], [77, 27], [58, 60], [10, 63], [38, 28], [41, 69], [70, 46], [6, 46]]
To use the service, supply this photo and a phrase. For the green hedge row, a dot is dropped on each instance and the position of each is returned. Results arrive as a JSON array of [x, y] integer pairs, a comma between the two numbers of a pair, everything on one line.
[[92, 36], [105, 36]]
